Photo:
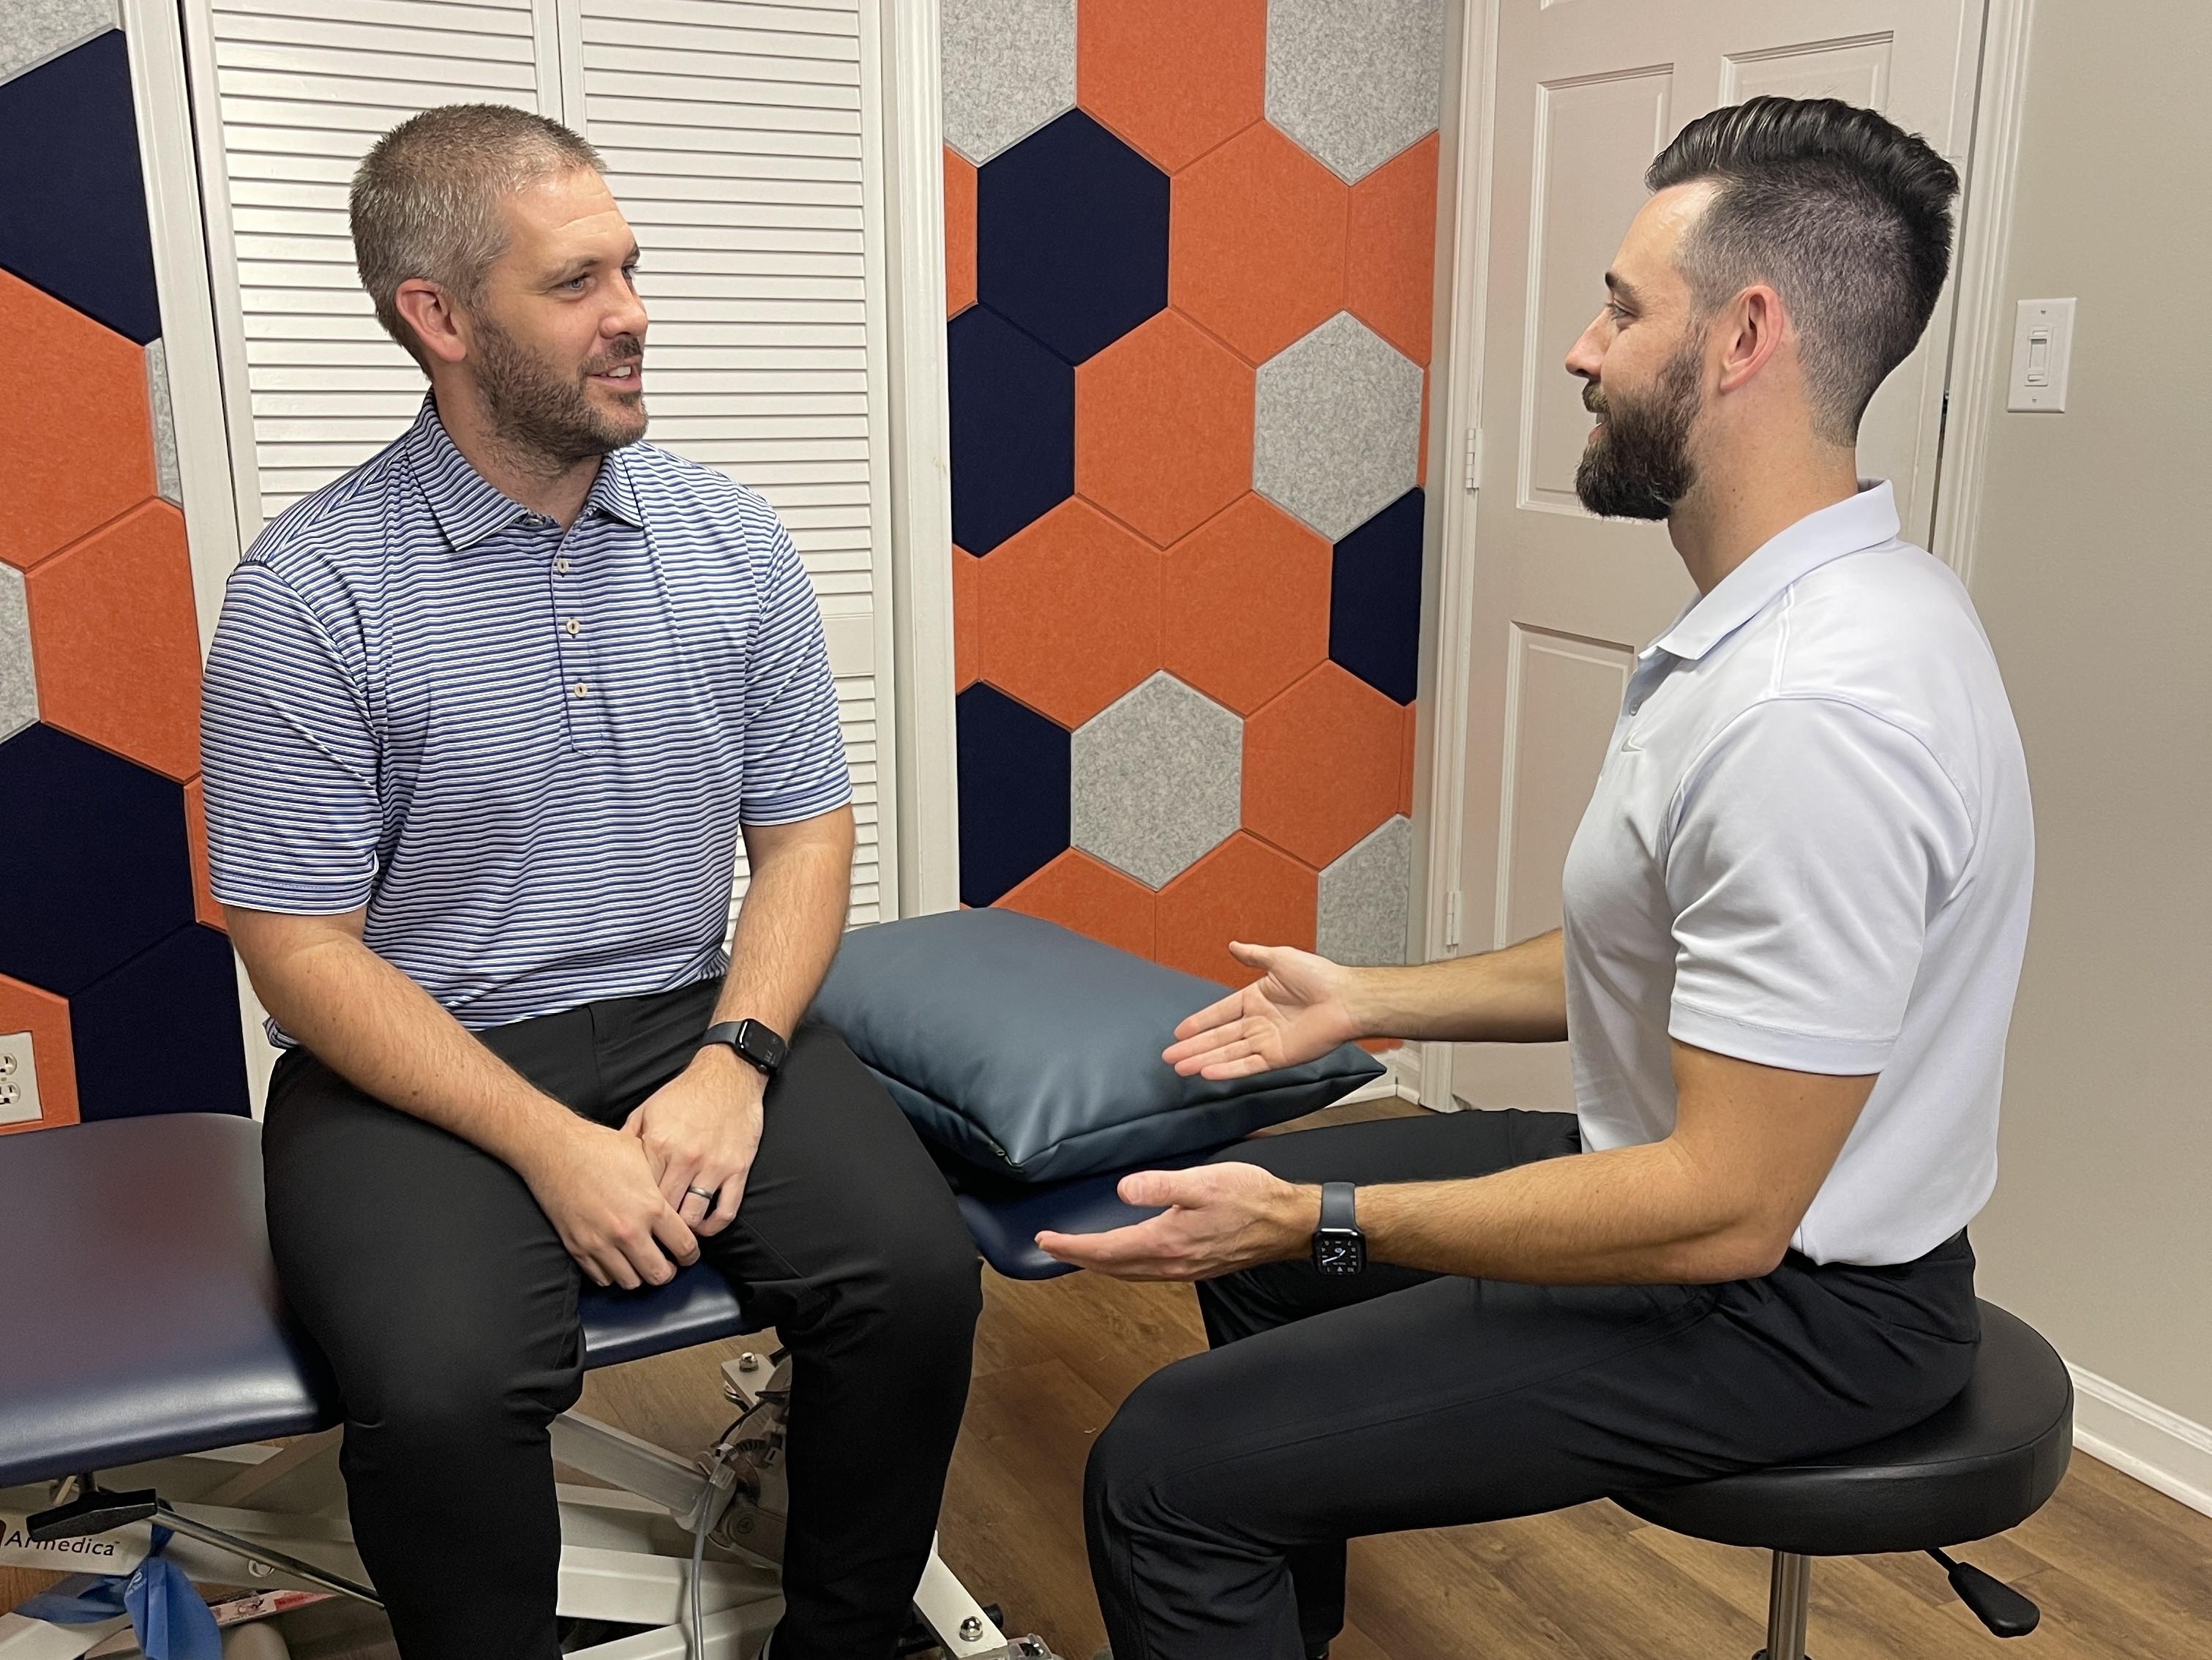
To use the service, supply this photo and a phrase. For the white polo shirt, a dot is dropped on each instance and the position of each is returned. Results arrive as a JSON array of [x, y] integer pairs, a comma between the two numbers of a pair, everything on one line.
[[1810, 847]]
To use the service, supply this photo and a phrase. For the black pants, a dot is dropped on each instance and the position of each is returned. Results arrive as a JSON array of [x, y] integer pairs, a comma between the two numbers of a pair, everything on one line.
[[1219, 1500], [446, 1306]]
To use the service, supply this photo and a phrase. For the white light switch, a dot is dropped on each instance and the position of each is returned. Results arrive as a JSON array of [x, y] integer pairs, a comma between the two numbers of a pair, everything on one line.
[[2042, 344], [19, 1079]]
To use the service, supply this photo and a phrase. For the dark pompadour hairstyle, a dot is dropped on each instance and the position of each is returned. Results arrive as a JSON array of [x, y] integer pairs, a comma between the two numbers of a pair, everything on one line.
[[1847, 216]]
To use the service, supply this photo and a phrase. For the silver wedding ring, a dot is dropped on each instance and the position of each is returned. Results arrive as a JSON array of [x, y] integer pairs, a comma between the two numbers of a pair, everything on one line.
[[710, 1194]]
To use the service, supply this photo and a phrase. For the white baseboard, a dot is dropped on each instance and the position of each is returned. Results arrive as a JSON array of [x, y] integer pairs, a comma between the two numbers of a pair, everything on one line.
[[1401, 1079], [2139, 1438]]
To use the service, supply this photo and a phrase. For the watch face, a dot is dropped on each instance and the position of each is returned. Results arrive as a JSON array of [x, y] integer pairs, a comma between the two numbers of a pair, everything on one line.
[[1340, 1252]]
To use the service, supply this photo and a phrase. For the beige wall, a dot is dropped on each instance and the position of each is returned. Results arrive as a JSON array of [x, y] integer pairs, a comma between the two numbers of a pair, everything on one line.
[[2093, 575]]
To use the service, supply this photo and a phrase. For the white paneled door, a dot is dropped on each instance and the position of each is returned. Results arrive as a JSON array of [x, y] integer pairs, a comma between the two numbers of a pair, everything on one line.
[[1585, 92], [739, 143]]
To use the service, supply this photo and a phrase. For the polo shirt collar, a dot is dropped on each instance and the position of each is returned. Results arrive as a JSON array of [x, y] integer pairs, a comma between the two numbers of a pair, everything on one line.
[[1865, 520], [469, 508]]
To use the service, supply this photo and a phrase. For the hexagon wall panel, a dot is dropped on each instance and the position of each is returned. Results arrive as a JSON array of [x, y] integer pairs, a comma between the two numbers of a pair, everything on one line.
[[99, 866], [161, 1033], [206, 908], [19, 686], [1321, 765], [1163, 428], [1375, 600], [1244, 890], [1257, 253], [116, 643], [72, 200], [80, 449], [967, 620], [47, 1017], [1365, 896], [1012, 790], [1009, 67], [1072, 236], [1390, 284], [1071, 613], [1076, 891], [1155, 779], [1338, 430], [32, 30], [959, 233], [1354, 81], [1245, 604], [1173, 78], [1012, 420]]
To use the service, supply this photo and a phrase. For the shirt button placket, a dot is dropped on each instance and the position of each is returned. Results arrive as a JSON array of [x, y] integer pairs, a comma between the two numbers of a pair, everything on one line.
[[583, 694]]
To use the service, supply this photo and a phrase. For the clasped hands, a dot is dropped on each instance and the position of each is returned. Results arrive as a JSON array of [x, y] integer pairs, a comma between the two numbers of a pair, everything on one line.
[[621, 1199], [1218, 1219]]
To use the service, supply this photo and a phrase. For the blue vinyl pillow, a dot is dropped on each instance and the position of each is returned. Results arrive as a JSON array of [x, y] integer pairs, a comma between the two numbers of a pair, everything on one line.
[[1034, 1053]]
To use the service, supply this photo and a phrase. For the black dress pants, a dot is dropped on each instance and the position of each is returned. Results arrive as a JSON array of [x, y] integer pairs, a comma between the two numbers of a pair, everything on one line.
[[1219, 1500], [442, 1297]]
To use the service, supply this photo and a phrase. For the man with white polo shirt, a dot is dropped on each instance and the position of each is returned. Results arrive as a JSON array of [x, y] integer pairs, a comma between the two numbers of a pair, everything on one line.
[[1795, 909], [485, 722]]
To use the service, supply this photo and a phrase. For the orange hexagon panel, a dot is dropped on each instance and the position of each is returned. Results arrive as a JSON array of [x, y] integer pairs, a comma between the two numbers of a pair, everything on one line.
[[1321, 763], [206, 908], [1163, 428], [967, 620], [1246, 600], [115, 644], [1244, 890], [1408, 759], [1256, 242], [959, 231], [47, 1017], [1076, 891], [1172, 77], [1392, 283], [77, 448], [1070, 613]]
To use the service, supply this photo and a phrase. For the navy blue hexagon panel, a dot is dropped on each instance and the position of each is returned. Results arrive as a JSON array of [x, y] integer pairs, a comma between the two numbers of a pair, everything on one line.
[[1014, 429], [160, 1034], [1375, 600], [72, 203], [1013, 766], [1072, 236]]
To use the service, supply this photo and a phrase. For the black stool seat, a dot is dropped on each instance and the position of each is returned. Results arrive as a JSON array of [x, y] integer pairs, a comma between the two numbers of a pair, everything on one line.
[[1983, 1465], [139, 1317]]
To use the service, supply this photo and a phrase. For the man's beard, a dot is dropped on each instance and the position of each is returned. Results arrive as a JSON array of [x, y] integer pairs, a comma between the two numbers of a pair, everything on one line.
[[534, 410], [1637, 465]]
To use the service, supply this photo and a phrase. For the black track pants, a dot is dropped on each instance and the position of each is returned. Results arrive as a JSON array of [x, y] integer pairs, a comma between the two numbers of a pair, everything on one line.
[[440, 1294], [1219, 1500]]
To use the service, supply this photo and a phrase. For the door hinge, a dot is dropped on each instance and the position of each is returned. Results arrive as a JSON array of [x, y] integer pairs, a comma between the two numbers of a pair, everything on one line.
[[1451, 919], [1474, 457]]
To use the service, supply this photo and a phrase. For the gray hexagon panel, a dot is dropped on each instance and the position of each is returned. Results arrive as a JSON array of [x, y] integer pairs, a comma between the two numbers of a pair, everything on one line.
[[19, 688], [1354, 81], [1364, 894], [1156, 778], [168, 480], [31, 31], [1337, 429], [1009, 68]]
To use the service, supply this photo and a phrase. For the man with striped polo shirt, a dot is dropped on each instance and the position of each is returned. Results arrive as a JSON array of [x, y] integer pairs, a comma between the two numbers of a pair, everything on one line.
[[485, 721]]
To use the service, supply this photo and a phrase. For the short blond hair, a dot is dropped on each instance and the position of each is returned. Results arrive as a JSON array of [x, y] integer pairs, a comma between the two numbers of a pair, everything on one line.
[[425, 201]]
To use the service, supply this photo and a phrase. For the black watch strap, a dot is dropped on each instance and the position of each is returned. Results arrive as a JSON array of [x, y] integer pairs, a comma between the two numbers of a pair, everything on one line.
[[760, 1046], [1337, 1205]]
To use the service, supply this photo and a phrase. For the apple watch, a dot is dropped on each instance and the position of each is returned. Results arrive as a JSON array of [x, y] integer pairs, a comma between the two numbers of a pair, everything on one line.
[[1339, 1247], [759, 1046]]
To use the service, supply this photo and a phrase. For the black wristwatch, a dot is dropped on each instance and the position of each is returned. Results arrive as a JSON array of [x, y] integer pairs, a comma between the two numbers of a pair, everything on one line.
[[761, 1046], [1339, 1247]]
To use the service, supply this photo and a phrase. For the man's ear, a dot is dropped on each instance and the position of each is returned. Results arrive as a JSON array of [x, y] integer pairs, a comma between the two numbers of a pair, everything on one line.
[[430, 311], [1750, 329]]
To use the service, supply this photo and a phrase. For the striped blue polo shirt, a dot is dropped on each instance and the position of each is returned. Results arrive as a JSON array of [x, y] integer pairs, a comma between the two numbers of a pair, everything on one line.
[[527, 753]]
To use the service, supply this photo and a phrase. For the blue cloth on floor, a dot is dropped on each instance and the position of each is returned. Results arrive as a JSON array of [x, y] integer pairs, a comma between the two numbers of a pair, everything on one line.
[[166, 1614]]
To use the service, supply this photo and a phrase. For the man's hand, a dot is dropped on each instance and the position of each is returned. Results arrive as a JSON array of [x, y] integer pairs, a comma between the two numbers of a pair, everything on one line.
[[1220, 1218], [598, 1189], [700, 1129], [1297, 1010]]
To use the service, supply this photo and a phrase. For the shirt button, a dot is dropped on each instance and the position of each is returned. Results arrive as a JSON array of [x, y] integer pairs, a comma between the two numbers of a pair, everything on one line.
[[560, 566], [574, 628], [581, 689]]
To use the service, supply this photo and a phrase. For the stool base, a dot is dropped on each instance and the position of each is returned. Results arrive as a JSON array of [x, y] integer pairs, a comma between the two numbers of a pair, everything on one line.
[[1788, 1595]]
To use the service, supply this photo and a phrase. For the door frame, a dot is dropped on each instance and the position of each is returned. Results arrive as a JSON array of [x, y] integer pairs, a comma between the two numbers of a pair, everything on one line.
[[1978, 336]]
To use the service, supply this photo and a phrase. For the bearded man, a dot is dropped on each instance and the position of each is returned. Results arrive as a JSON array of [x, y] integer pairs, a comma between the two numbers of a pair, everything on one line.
[[485, 721], [1796, 909]]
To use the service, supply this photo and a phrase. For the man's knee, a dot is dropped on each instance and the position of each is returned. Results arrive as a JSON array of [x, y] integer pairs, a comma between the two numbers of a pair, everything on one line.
[[455, 1406], [1159, 1432]]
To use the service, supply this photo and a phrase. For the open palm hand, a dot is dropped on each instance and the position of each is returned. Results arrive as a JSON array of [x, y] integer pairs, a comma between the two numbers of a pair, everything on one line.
[[1295, 1012]]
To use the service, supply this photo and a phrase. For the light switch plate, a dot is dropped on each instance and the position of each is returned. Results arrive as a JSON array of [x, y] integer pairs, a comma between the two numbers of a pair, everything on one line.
[[2042, 347], [19, 1079]]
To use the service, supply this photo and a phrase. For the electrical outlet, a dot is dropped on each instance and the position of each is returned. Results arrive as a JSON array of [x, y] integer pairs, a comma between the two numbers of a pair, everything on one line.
[[19, 1079]]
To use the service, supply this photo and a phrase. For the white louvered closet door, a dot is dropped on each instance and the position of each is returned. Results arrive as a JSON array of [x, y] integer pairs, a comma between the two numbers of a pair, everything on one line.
[[740, 147]]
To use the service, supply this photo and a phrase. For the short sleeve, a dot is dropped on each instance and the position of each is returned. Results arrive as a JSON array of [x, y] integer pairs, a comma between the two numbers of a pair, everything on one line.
[[289, 758], [795, 749], [1811, 844]]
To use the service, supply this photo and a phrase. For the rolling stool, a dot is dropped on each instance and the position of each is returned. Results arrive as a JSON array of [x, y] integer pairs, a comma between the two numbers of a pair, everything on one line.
[[1983, 1465]]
